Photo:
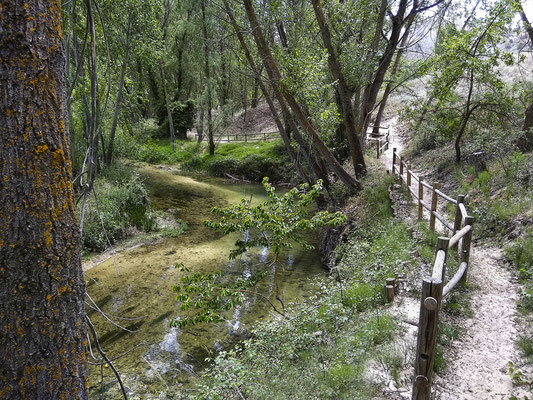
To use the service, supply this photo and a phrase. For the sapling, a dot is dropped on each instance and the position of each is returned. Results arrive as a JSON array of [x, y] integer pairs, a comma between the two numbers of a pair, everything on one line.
[[277, 223]]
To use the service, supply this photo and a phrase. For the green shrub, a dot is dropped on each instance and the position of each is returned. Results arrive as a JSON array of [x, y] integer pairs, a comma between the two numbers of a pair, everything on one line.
[[340, 376], [521, 255], [122, 203], [362, 296], [526, 345], [220, 166]]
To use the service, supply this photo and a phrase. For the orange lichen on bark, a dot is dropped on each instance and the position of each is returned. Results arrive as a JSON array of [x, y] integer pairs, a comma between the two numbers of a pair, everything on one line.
[[8, 389], [47, 236], [41, 148], [59, 156]]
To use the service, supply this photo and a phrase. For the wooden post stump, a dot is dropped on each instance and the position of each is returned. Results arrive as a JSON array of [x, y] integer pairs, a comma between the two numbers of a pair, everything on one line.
[[393, 158], [389, 289]]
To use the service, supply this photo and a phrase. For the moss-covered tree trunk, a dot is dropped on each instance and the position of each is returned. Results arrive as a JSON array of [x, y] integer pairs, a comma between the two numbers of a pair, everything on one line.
[[42, 326]]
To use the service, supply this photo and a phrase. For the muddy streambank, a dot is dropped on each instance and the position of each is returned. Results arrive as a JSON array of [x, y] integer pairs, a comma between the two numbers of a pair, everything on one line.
[[155, 360]]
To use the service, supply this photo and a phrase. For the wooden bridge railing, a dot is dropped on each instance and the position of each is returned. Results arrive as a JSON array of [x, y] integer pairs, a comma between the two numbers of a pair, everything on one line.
[[433, 288], [382, 139], [243, 137]]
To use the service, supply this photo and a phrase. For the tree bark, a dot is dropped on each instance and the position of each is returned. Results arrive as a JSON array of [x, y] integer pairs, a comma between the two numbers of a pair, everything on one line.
[[371, 91], [42, 326]]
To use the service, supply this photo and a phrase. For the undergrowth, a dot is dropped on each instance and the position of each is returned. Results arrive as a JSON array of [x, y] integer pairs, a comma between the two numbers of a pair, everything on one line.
[[119, 208]]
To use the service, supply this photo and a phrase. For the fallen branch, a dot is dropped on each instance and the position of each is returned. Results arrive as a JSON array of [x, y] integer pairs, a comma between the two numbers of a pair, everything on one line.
[[109, 362]]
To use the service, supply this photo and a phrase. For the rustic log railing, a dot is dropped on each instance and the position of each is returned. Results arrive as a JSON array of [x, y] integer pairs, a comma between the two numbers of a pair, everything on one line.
[[382, 139], [243, 137], [433, 288]]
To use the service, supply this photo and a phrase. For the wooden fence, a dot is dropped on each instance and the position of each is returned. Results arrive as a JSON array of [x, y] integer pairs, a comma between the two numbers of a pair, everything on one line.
[[243, 137], [382, 139], [433, 288]]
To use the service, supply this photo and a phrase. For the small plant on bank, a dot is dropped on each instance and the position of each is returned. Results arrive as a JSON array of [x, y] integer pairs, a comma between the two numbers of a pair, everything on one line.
[[278, 223]]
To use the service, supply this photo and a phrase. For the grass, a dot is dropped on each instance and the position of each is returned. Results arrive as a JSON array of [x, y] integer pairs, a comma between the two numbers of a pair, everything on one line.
[[248, 160]]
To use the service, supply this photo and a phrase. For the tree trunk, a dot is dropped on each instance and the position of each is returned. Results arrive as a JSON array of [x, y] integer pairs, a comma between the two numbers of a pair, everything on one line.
[[259, 82], [109, 155], [208, 81], [255, 91], [42, 326], [282, 93], [200, 126], [525, 142], [394, 71], [345, 94], [371, 91], [167, 103]]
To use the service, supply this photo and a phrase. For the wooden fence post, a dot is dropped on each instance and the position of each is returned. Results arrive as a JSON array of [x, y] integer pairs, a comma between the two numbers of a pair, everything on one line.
[[389, 289], [458, 215], [408, 174], [467, 245], [427, 327], [377, 147], [420, 197], [434, 199], [393, 158], [401, 165], [427, 337]]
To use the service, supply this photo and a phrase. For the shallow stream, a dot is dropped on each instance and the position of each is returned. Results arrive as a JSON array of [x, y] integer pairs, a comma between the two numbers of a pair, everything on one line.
[[161, 359]]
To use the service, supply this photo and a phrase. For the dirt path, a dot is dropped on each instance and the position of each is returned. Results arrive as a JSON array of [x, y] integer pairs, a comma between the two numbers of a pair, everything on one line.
[[477, 366], [478, 362]]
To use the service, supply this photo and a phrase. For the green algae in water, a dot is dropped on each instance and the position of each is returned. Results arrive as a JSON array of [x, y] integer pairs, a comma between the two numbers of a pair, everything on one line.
[[161, 359]]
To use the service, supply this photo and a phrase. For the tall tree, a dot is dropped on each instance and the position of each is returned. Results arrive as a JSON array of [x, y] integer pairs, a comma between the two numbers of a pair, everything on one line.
[[209, 100], [525, 143], [283, 95], [42, 326]]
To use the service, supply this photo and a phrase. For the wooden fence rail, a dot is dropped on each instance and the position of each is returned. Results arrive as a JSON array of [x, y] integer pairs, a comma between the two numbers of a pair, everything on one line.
[[382, 139], [433, 288], [243, 137]]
